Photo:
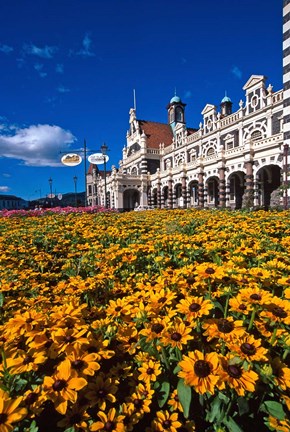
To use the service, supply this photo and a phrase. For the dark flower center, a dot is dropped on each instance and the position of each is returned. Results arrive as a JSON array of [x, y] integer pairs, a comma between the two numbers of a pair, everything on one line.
[[69, 338], [157, 328], [242, 307], [248, 348], [166, 424], [209, 270], [77, 364], [31, 398], [225, 326], [3, 418], [234, 371], [256, 296], [176, 336], [202, 368], [150, 371], [194, 307], [162, 300], [29, 320], [27, 360], [109, 426], [102, 393], [59, 385], [138, 403], [190, 280], [118, 308], [279, 312]]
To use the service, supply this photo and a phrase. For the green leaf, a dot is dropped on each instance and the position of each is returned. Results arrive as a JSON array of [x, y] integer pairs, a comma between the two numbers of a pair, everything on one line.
[[184, 396], [163, 393], [273, 408], [243, 406], [214, 412], [232, 426], [1, 299]]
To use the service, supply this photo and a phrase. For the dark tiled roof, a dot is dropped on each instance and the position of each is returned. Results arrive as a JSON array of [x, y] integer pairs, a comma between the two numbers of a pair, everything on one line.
[[156, 133]]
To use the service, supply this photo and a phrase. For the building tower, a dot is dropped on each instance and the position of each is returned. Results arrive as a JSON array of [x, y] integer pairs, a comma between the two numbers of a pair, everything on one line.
[[226, 106], [175, 110]]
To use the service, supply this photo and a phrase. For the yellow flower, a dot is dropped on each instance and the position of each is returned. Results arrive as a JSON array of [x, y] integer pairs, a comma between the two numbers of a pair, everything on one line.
[[279, 425], [111, 422], [194, 307], [233, 374], [101, 390], [200, 371], [63, 386], [149, 371], [10, 412], [165, 421], [177, 335]]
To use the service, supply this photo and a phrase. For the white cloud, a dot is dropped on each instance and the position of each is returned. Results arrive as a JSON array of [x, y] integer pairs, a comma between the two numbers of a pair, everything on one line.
[[59, 68], [36, 145], [39, 68], [86, 49], [236, 72], [4, 189], [7, 175], [45, 52], [62, 89], [6, 48]]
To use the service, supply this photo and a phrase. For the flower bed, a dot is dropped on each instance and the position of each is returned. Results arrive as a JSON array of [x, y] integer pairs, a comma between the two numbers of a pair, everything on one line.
[[145, 321]]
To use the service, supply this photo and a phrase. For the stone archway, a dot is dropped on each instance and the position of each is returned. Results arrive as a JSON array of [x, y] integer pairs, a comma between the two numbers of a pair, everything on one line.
[[178, 195], [154, 197], [164, 197], [268, 180], [131, 198], [236, 189], [212, 185], [193, 193]]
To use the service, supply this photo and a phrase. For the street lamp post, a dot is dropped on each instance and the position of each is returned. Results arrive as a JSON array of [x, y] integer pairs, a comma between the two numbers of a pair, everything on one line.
[[50, 187], [75, 183], [104, 150], [286, 149]]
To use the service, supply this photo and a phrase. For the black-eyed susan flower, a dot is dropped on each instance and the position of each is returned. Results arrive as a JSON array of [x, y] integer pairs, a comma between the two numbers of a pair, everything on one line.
[[194, 307], [281, 373], [25, 361], [165, 421], [233, 374], [101, 391], [174, 402], [200, 371], [83, 362], [111, 422], [63, 386], [10, 412], [223, 328], [248, 348], [149, 371], [177, 335], [278, 425]]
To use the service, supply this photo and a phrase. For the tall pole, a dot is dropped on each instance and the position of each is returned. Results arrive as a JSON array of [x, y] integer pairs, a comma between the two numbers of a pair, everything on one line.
[[286, 148], [104, 149], [50, 186], [75, 183], [85, 165]]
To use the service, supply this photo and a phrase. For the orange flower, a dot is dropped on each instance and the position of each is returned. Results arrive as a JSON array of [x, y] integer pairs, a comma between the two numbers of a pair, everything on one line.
[[10, 412], [63, 386]]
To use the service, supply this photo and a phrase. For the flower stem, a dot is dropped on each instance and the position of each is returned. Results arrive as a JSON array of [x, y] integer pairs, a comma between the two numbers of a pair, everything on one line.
[[252, 319]]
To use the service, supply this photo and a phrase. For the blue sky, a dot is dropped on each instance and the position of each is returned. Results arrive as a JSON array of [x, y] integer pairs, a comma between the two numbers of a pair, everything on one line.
[[69, 69]]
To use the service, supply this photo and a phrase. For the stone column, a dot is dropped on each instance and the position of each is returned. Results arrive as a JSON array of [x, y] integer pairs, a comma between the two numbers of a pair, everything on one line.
[[170, 192], [222, 192], [200, 190], [248, 198], [184, 188]]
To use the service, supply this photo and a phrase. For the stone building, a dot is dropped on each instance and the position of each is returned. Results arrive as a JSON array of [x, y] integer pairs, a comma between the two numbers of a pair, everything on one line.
[[233, 159]]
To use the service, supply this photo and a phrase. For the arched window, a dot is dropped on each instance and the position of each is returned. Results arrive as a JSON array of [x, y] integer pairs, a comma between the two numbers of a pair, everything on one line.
[[210, 152], [179, 114], [256, 135]]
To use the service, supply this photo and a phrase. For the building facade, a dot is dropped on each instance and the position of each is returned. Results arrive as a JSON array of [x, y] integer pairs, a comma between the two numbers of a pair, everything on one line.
[[233, 159]]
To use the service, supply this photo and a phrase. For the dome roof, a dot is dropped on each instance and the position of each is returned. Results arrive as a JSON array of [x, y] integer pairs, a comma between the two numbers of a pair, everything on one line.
[[226, 99], [175, 99]]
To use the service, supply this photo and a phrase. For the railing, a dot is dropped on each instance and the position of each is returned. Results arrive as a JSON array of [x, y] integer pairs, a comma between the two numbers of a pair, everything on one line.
[[268, 142], [193, 137], [277, 97], [234, 151], [229, 119]]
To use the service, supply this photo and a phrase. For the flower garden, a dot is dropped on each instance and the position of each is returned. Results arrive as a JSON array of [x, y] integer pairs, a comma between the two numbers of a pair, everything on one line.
[[166, 320]]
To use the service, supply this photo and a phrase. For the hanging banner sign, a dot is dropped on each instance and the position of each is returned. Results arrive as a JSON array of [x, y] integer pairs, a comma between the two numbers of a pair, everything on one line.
[[98, 158], [71, 159]]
